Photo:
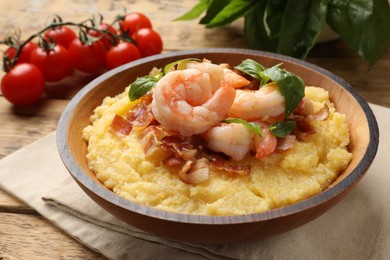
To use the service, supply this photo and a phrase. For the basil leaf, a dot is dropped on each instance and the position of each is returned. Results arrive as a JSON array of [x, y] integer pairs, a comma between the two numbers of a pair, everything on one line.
[[251, 68], [282, 129], [231, 12], [141, 86], [196, 11], [290, 86], [249, 125], [215, 7], [256, 35], [301, 25], [273, 17], [254, 69], [363, 25], [178, 62]]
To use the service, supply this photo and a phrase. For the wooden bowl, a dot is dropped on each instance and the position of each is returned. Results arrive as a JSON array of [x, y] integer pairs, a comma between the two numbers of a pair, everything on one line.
[[217, 229]]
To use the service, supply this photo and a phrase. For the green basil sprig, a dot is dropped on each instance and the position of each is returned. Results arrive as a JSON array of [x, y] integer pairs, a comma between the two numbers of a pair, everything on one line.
[[254, 69], [282, 129], [179, 63], [141, 86], [249, 125], [291, 27], [278, 129], [144, 84], [290, 85]]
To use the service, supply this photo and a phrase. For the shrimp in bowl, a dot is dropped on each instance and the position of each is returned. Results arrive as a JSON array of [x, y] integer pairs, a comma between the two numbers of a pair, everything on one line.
[[216, 139], [184, 101]]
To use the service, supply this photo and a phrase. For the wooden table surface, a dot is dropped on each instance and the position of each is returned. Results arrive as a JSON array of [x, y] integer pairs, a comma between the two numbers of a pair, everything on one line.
[[24, 234]]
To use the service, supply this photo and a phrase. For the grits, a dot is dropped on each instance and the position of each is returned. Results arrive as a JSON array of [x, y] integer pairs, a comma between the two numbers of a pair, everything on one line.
[[277, 180]]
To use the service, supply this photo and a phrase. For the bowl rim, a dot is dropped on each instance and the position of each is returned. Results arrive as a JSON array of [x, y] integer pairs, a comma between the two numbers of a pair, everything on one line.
[[353, 177]]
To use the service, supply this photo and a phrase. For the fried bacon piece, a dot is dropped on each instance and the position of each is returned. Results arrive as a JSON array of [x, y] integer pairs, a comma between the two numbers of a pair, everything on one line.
[[286, 143], [149, 141], [321, 114], [306, 109], [180, 147], [141, 116], [121, 126], [150, 138], [218, 162], [195, 172], [173, 161], [304, 115]]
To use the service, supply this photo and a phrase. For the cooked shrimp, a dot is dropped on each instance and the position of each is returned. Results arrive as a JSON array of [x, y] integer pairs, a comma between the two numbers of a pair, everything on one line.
[[184, 101], [233, 79], [234, 140], [218, 73], [215, 72], [264, 145], [263, 104]]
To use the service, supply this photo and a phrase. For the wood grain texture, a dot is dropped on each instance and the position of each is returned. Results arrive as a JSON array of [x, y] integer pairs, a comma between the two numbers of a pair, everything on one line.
[[24, 236], [21, 126]]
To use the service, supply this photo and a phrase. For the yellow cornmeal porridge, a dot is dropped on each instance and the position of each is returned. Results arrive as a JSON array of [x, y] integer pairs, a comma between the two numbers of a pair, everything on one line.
[[277, 180]]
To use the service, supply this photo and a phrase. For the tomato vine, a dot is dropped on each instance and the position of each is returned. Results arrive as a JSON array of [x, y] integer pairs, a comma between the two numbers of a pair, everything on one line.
[[57, 49]]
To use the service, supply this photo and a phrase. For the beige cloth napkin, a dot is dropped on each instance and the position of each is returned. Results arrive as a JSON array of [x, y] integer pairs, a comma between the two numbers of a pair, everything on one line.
[[357, 228]]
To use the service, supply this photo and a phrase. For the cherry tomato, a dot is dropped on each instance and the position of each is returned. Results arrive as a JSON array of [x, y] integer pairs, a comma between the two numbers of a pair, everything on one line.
[[55, 64], [148, 42], [23, 85], [87, 58], [107, 39], [121, 53], [24, 55], [62, 35], [133, 22]]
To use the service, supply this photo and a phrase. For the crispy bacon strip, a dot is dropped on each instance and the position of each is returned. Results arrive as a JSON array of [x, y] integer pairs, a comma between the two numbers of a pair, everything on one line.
[[305, 107], [321, 114], [173, 161], [220, 163], [140, 115], [304, 115], [179, 146], [121, 126], [303, 127], [149, 141], [286, 143], [150, 138], [195, 172]]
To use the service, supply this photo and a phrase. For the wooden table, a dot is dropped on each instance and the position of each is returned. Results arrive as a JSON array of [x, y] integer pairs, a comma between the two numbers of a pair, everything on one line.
[[23, 232]]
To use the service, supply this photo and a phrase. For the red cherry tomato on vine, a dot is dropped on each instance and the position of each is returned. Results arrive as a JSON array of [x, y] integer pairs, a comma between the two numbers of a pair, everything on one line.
[[87, 58], [24, 55], [121, 53], [23, 85], [55, 64], [133, 22], [148, 42], [62, 35], [108, 39]]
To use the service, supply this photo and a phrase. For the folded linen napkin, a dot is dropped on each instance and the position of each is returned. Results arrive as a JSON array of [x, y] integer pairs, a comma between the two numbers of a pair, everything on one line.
[[357, 228]]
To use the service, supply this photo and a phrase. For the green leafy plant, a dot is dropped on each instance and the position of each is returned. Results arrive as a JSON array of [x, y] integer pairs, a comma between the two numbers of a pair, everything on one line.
[[291, 27]]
